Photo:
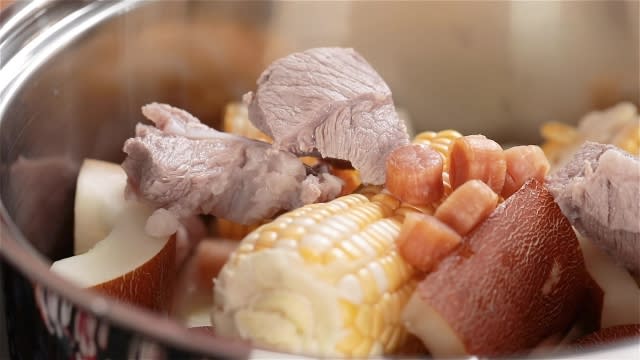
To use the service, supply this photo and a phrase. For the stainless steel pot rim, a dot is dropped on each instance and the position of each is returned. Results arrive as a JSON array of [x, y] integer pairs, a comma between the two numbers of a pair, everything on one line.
[[14, 247], [16, 68], [51, 40]]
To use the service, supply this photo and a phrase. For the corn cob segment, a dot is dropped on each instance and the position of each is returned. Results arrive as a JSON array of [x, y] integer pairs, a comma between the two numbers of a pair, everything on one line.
[[236, 121], [324, 279], [441, 141]]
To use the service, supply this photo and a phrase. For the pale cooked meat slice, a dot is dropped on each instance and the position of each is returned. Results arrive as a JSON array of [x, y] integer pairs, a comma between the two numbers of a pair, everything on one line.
[[187, 168], [332, 102], [598, 190]]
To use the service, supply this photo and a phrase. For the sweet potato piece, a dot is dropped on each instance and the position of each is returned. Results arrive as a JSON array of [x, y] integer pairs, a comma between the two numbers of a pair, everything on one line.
[[516, 279]]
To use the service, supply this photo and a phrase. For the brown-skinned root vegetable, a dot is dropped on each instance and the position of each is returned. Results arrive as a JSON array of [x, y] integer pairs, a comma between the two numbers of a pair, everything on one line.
[[114, 254], [98, 201], [205, 330], [516, 279], [609, 335], [128, 264]]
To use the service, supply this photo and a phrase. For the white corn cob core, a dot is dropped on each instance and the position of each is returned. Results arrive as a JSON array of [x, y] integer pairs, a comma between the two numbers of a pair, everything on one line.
[[324, 279]]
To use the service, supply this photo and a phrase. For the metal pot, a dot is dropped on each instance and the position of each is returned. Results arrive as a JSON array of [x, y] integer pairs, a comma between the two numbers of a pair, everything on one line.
[[74, 74]]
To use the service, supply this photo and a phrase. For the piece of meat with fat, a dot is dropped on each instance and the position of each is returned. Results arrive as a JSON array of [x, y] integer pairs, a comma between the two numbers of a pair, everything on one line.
[[185, 168], [598, 190], [329, 101]]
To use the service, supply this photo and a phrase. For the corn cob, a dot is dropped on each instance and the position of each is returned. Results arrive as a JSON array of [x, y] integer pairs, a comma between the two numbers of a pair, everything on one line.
[[324, 279], [236, 121], [629, 138]]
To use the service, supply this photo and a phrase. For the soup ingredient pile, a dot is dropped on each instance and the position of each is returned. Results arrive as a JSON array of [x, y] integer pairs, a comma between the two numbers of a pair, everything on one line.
[[360, 242]]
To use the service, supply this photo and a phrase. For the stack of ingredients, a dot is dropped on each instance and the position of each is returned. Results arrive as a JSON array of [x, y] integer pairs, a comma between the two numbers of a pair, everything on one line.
[[357, 241]]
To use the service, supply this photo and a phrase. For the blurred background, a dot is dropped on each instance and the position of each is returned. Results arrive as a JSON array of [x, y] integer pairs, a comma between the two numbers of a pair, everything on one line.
[[501, 68], [498, 67]]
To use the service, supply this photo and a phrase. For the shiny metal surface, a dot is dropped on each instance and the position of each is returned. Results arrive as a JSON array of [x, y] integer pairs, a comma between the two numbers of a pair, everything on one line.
[[73, 74]]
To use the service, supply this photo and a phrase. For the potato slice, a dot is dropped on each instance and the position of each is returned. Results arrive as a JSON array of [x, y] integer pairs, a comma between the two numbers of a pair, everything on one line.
[[516, 279]]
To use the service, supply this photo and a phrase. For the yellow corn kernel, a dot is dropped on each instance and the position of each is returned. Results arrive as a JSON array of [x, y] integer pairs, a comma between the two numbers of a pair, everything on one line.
[[559, 133], [629, 139], [440, 141], [236, 121]]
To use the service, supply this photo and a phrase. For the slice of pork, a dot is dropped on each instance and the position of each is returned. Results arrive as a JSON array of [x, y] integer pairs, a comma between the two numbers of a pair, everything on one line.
[[184, 167], [598, 190], [329, 101]]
